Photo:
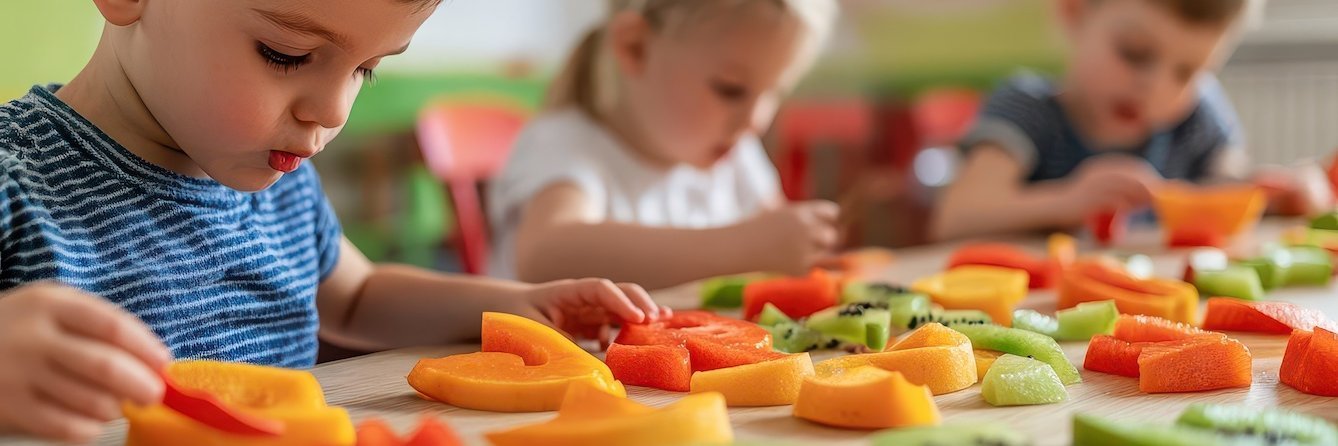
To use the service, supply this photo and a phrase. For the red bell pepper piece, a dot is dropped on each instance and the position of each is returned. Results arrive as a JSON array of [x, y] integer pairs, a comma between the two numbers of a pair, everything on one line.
[[663, 354], [795, 296]]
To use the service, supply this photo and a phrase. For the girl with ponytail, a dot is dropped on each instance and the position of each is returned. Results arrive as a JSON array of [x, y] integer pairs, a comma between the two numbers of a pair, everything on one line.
[[646, 165]]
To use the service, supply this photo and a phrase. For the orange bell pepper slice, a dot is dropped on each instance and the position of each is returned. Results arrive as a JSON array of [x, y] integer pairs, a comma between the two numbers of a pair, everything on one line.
[[1104, 279]]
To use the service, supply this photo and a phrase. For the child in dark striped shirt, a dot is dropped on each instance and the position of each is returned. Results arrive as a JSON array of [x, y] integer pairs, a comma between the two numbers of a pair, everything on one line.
[[159, 206], [1138, 105]]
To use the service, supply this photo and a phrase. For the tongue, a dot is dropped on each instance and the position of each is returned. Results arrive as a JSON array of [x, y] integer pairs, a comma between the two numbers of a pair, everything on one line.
[[283, 161]]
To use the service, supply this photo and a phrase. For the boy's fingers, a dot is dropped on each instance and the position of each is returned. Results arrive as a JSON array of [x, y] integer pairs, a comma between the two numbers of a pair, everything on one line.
[[826, 211], [642, 300], [78, 395], [100, 320], [546, 315], [606, 294], [554, 315], [603, 337], [833, 262], [826, 238], [112, 369], [44, 419]]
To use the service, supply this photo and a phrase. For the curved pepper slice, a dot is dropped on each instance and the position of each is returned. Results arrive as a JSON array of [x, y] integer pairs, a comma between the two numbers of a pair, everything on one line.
[[291, 396], [663, 354], [1102, 279], [590, 416], [525, 366]]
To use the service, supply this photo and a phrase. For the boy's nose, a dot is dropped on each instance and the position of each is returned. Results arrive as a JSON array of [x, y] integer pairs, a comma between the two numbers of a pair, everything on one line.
[[328, 108], [1166, 91]]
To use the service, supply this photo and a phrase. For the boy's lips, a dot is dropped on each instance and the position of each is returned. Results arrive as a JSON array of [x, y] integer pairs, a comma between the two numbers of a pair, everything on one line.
[[284, 161], [1127, 113]]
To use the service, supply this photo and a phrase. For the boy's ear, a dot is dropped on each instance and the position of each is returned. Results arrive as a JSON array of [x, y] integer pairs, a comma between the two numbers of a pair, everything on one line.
[[121, 12], [628, 35]]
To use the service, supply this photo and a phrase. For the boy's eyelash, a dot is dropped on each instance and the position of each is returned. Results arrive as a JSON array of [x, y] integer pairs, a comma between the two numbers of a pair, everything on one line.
[[280, 61], [727, 91], [367, 75], [1136, 56], [286, 62]]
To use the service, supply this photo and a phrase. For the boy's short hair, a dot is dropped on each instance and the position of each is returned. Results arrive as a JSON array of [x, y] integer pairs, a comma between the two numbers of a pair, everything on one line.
[[1203, 12]]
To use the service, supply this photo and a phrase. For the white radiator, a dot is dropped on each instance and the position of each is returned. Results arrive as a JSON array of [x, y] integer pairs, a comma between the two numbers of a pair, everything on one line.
[[1284, 82], [1289, 109]]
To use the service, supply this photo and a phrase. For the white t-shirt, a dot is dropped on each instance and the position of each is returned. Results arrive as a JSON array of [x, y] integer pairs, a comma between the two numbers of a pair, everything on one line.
[[567, 146]]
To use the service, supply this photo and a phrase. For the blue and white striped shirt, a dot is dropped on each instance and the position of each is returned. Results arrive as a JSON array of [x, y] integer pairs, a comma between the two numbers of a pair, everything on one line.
[[216, 273]]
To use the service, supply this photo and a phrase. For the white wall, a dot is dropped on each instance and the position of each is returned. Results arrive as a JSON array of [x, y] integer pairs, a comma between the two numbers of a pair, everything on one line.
[[474, 34]]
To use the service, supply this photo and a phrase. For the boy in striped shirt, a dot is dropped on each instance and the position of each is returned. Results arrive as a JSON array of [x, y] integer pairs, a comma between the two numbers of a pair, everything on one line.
[[1137, 106], [158, 206]]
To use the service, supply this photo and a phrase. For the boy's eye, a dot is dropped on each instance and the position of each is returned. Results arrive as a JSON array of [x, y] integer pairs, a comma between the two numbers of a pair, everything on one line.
[[1138, 57], [279, 60], [729, 91]]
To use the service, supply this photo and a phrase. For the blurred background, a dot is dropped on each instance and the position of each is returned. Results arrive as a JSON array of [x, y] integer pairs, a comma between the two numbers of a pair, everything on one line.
[[871, 127]]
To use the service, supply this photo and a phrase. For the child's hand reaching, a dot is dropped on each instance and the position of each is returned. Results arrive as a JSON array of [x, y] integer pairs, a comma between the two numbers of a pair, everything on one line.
[[1302, 189], [69, 360], [795, 237], [1110, 182], [585, 308]]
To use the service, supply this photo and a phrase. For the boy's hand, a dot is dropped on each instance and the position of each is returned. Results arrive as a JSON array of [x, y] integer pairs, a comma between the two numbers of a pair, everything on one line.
[[69, 360], [585, 308], [1298, 190], [1109, 182], [795, 237]]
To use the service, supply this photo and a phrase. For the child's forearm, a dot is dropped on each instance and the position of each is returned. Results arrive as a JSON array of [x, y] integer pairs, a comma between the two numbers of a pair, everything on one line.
[[400, 306], [988, 197], [652, 257], [969, 213]]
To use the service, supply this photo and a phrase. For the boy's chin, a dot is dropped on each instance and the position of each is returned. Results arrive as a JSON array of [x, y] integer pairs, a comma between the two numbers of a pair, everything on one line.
[[250, 181]]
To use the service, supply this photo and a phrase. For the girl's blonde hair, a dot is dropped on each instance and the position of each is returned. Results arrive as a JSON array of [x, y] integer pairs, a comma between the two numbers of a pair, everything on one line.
[[590, 79]]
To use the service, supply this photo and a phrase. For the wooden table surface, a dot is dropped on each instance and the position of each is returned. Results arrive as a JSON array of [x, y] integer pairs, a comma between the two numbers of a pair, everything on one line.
[[374, 385]]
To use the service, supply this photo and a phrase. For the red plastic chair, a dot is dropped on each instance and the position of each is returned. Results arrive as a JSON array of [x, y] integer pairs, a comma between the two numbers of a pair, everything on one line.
[[801, 126], [876, 145], [868, 134], [464, 144]]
